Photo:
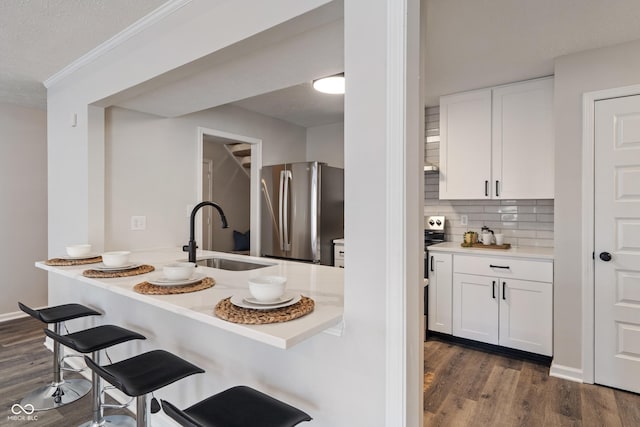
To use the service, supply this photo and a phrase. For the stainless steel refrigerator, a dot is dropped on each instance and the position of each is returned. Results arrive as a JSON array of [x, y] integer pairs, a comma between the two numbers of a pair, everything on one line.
[[302, 211]]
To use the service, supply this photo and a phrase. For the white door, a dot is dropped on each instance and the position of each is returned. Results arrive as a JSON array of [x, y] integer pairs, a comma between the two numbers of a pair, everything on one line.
[[617, 243], [475, 307]]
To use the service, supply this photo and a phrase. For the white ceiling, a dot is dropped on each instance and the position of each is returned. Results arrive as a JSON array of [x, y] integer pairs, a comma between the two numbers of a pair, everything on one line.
[[469, 44], [472, 44], [301, 105], [40, 37]]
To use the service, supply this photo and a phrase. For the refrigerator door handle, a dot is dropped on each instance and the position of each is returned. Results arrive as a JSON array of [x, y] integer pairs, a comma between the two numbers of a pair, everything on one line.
[[287, 179], [280, 210]]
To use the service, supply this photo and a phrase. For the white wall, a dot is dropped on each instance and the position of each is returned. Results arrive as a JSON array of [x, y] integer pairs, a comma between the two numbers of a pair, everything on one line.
[[576, 74], [346, 379], [326, 144], [151, 168], [23, 216]]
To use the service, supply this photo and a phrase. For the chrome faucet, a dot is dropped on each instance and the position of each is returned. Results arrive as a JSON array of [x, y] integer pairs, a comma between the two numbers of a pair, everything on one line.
[[191, 246]]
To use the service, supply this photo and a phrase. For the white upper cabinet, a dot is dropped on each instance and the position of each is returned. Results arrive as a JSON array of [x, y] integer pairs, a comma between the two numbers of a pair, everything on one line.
[[465, 145], [498, 143]]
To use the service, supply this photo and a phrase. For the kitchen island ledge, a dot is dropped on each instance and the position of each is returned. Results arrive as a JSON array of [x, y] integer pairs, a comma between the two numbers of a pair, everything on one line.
[[324, 284]]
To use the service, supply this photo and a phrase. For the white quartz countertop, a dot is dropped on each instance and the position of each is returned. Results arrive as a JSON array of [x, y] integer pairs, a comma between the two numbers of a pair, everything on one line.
[[323, 284], [518, 252]]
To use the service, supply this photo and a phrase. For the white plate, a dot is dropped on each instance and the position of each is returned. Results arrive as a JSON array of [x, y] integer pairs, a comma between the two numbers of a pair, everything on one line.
[[240, 301], [163, 281], [79, 257], [281, 300], [102, 267]]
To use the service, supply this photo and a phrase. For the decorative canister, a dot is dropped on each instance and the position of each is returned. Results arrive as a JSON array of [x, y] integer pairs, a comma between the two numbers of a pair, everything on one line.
[[470, 237]]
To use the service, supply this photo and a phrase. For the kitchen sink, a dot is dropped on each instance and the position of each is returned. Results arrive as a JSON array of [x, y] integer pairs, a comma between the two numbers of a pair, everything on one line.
[[231, 264]]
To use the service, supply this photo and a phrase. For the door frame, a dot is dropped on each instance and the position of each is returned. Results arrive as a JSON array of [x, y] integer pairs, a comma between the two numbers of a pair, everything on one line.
[[588, 222], [256, 164], [206, 243]]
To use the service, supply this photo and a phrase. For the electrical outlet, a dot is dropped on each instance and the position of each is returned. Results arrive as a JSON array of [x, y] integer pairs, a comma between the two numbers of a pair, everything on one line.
[[464, 219], [138, 222]]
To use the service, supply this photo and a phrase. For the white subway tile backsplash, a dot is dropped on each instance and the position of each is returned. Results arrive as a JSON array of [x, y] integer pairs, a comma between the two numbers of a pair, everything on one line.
[[523, 222], [544, 218]]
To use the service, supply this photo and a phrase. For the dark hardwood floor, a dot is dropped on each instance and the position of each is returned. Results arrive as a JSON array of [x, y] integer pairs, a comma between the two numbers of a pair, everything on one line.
[[26, 364], [467, 387]]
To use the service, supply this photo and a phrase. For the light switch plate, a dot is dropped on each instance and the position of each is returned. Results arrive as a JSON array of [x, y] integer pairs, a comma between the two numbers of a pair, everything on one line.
[[464, 219], [138, 222]]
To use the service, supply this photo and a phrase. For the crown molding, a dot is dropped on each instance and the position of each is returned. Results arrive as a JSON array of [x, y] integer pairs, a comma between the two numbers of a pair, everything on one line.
[[143, 23]]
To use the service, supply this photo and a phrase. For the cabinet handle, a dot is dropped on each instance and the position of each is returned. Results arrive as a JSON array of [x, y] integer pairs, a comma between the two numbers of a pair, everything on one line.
[[431, 263], [497, 193], [493, 288], [486, 188], [341, 252], [499, 266], [504, 296]]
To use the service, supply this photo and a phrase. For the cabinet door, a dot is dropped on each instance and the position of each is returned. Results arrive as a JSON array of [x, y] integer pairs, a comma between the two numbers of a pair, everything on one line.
[[440, 278], [526, 315], [523, 141], [475, 307], [465, 145]]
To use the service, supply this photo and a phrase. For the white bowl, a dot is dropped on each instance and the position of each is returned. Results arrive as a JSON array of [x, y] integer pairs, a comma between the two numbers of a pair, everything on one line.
[[78, 250], [179, 270], [115, 259], [267, 288]]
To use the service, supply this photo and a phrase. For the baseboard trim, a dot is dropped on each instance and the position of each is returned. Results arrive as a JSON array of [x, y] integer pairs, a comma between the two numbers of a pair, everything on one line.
[[566, 373], [5, 317], [491, 348]]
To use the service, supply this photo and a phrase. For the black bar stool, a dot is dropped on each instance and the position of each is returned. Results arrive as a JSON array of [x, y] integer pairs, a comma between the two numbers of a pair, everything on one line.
[[143, 374], [93, 340], [239, 406], [60, 391]]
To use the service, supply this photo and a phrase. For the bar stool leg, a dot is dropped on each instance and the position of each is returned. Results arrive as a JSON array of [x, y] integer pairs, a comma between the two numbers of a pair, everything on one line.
[[142, 416], [60, 392], [98, 419]]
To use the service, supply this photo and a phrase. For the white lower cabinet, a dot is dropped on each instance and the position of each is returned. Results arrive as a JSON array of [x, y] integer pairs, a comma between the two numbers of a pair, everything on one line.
[[440, 272], [493, 302], [475, 308]]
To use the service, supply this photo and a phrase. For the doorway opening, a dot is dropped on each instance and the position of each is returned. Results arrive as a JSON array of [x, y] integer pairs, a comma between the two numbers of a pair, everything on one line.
[[228, 174]]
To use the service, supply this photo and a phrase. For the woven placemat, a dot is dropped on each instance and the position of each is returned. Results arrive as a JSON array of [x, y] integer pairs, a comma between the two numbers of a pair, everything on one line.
[[147, 288], [227, 311], [97, 274], [61, 262]]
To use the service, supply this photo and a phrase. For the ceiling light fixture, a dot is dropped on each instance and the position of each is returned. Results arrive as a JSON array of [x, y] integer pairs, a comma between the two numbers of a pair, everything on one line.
[[332, 84]]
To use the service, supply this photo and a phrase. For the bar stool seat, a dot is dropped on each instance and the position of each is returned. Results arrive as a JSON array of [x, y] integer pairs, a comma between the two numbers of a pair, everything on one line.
[[59, 313], [60, 391], [239, 406], [93, 340], [143, 374]]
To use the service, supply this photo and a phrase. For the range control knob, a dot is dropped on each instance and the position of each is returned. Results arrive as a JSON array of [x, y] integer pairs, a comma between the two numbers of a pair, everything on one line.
[[438, 222], [431, 222]]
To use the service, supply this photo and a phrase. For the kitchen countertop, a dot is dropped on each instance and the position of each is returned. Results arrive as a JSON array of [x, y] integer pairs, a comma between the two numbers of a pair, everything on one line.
[[324, 284], [518, 252]]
